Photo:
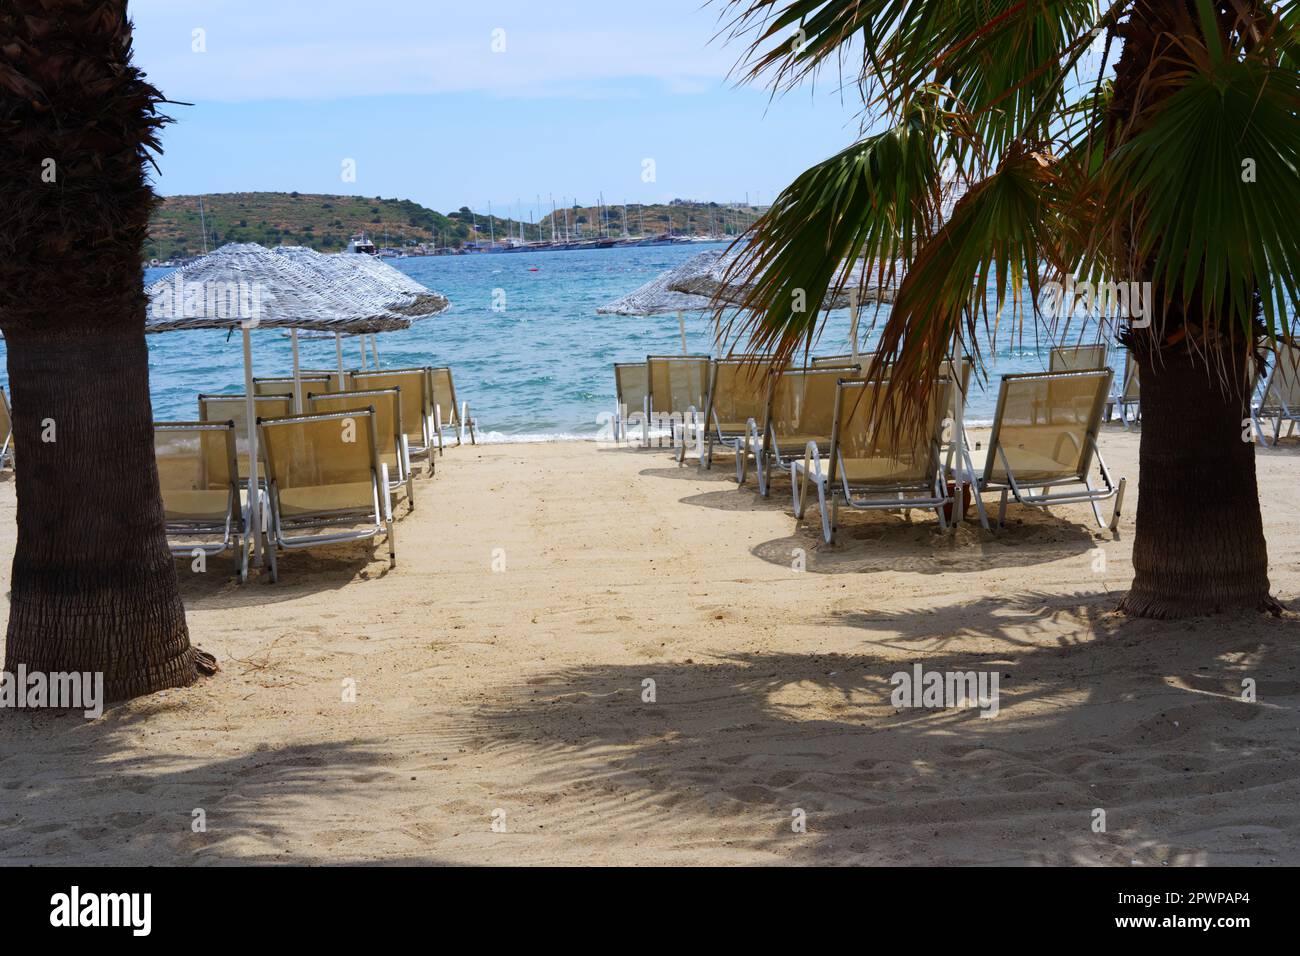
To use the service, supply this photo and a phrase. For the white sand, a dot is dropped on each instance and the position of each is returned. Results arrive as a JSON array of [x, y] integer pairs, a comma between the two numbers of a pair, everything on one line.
[[521, 691]]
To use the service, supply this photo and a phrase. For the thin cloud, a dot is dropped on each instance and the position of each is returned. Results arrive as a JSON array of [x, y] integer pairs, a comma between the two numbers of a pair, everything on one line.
[[254, 51]]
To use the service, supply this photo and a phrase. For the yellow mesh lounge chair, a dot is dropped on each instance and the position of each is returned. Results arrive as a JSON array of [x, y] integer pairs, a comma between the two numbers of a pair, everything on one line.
[[283, 384], [631, 388], [737, 399], [800, 409], [869, 463], [390, 436], [1281, 399], [1129, 399], [200, 487], [1077, 358], [417, 406], [233, 408], [325, 482], [446, 410], [1045, 436], [6, 432], [677, 388]]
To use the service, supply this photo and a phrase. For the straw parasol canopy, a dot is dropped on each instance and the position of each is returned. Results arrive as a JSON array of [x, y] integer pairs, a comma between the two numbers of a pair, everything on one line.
[[370, 276], [244, 284], [656, 298], [709, 280]]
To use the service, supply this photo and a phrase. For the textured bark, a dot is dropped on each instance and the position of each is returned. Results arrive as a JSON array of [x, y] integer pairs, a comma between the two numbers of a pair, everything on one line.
[[93, 586], [1199, 546]]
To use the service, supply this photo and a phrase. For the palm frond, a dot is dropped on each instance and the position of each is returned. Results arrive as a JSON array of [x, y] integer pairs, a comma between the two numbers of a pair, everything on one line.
[[999, 233], [875, 201], [1204, 180]]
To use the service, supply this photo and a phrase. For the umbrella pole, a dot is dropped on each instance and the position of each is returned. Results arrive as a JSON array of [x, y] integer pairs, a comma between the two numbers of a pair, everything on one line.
[[853, 330], [681, 324], [362, 340], [297, 374], [374, 350], [338, 350], [250, 412]]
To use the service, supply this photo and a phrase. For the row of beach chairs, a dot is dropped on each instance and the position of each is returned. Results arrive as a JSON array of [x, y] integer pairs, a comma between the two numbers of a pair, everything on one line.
[[833, 431], [825, 424], [326, 476]]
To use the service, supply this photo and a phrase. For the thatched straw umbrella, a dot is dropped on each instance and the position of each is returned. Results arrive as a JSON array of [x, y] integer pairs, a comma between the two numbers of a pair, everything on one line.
[[244, 286], [373, 277], [712, 281], [657, 298]]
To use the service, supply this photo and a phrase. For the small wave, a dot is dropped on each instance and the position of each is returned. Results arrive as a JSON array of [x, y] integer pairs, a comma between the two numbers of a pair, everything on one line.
[[513, 438]]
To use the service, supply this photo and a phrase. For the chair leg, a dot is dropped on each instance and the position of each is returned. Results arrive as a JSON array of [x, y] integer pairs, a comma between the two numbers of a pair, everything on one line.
[[1002, 510], [271, 559], [1119, 505], [828, 525]]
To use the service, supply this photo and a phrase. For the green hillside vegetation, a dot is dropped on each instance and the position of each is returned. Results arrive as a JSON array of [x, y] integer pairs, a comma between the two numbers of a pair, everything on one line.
[[325, 223]]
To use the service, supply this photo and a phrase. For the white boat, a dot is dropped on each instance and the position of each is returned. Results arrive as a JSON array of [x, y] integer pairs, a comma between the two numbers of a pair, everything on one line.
[[359, 243]]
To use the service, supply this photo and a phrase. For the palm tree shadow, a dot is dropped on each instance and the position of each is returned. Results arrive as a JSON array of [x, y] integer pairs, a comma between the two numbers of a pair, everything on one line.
[[1110, 714], [85, 802]]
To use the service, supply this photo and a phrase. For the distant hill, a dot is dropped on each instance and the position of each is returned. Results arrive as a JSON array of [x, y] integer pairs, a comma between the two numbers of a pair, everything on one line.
[[325, 222]]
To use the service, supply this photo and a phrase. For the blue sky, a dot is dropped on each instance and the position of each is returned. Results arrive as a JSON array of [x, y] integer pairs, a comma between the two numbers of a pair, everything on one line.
[[573, 100]]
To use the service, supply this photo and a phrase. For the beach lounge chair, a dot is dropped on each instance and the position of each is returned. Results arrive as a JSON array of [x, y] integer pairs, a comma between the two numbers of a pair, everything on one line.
[[390, 436], [200, 487], [234, 408], [800, 409], [1045, 436], [677, 392], [840, 361], [737, 399], [1129, 398], [1077, 358], [422, 433], [308, 382], [631, 390], [1280, 402], [446, 410], [325, 482], [6, 432], [870, 463]]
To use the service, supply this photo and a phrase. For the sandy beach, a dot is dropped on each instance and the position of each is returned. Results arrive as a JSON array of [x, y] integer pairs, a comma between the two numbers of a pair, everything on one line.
[[500, 681]]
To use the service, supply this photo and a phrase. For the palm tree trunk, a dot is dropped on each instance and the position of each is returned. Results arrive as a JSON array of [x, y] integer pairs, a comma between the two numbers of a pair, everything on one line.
[[1199, 546], [93, 585]]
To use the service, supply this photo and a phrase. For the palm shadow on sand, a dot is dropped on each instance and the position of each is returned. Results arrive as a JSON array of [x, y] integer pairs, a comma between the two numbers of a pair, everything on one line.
[[86, 804], [1123, 720]]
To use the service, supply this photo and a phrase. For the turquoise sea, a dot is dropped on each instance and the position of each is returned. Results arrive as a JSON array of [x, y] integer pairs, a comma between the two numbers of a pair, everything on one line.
[[539, 369]]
